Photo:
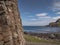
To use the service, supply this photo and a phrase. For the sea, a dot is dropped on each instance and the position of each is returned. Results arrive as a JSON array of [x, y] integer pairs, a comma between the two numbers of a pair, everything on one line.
[[41, 29]]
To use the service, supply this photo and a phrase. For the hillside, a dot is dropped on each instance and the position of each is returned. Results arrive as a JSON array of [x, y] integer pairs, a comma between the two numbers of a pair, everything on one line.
[[54, 24]]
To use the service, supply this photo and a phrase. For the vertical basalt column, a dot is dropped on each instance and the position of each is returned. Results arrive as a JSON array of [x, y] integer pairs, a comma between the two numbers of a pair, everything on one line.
[[11, 32]]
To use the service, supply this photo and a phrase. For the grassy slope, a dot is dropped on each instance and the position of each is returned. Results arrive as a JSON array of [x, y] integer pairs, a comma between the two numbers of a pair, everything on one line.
[[33, 39]]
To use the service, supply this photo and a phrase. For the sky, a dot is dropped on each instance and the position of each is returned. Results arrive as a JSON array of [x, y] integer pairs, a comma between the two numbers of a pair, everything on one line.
[[39, 12]]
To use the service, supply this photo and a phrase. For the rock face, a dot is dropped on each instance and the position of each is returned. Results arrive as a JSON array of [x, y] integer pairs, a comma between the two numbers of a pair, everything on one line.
[[10, 23], [54, 24]]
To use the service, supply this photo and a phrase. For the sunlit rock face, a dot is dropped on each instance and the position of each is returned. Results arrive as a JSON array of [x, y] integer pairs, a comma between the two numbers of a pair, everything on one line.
[[10, 23]]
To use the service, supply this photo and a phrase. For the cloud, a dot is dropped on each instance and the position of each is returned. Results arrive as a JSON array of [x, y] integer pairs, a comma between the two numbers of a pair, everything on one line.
[[45, 17], [57, 17], [40, 21], [41, 14], [58, 13], [36, 23], [34, 19], [56, 5]]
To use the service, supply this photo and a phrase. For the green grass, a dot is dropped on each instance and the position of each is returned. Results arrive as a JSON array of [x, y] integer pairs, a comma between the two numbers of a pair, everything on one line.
[[30, 38]]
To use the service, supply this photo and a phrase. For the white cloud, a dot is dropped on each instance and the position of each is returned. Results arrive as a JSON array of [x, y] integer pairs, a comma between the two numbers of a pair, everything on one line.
[[57, 17], [56, 5], [38, 23], [45, 17], [33, 19], [41, 20], [58, 13], [41, 14]]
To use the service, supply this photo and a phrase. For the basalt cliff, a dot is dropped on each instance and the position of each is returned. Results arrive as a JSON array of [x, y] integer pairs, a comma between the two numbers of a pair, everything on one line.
[[11, 32]]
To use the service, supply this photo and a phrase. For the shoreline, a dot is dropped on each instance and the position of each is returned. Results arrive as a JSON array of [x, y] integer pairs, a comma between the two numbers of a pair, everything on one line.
[[45, 36]]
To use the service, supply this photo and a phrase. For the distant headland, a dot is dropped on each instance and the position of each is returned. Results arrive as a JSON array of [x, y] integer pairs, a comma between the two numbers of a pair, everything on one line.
[[54, 24]]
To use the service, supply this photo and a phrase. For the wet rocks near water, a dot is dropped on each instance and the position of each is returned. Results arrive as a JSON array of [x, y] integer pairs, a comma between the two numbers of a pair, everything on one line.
[[46, 36]]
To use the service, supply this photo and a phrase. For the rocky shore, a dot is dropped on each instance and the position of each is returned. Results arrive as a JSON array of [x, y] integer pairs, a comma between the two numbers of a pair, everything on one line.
[[45, 36]]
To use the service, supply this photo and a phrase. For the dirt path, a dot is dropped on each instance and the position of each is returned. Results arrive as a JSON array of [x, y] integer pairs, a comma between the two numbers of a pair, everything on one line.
[[32, 43]]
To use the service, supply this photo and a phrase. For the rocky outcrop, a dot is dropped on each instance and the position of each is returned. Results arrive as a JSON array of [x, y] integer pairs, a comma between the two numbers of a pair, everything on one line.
[[11, 32]]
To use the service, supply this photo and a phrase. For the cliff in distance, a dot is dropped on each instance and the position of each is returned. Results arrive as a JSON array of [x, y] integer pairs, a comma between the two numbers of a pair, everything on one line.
[[10, 23], [54, 24]]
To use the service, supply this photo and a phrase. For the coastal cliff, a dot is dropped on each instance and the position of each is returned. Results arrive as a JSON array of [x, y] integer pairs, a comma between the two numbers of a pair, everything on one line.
[[10, 23], [54, 24]]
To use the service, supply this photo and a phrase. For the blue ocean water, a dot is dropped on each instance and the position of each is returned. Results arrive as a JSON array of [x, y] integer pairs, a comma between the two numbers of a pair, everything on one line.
[[41, 29]]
